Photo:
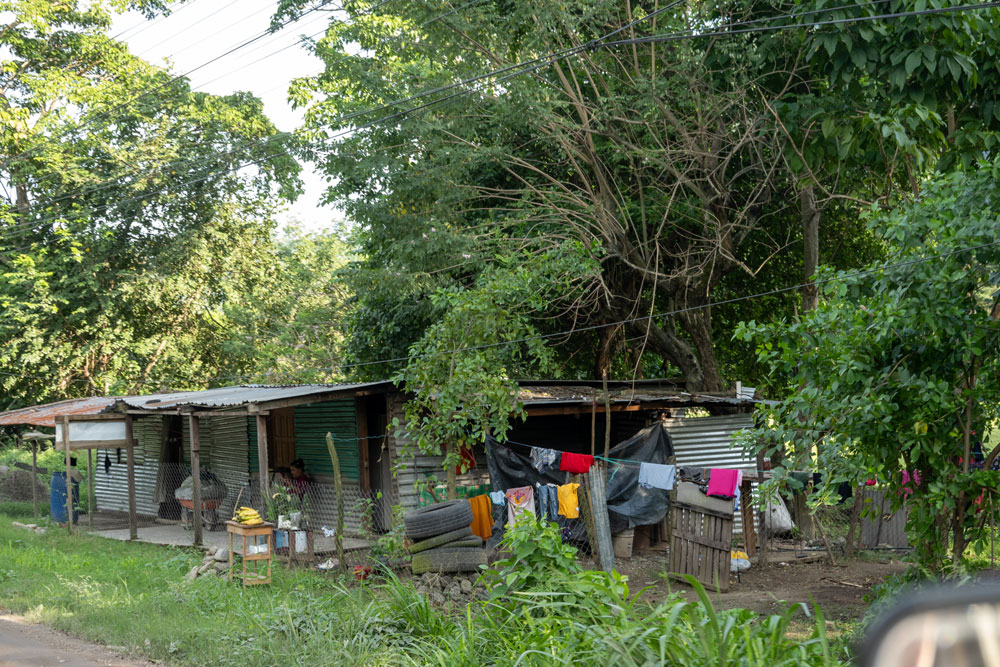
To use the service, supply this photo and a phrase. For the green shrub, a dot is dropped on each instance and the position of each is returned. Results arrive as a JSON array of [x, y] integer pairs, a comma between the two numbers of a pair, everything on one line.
[[535, 554]]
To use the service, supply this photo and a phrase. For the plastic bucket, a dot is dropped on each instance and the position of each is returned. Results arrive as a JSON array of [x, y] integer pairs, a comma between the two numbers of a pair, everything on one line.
[[57, 498], [623, 543]]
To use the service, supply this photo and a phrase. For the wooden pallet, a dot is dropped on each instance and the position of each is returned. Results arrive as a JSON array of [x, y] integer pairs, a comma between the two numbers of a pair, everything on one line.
[[701, 539]]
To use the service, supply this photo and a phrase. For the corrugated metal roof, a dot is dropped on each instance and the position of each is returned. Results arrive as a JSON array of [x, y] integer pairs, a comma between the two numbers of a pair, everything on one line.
[[241, 395], [45, 415]]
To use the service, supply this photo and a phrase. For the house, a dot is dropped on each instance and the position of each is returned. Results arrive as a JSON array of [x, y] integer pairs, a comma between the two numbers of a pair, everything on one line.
[[248, 435]]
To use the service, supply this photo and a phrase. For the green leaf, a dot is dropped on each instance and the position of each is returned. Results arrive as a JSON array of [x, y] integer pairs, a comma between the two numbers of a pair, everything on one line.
[[912, 62]]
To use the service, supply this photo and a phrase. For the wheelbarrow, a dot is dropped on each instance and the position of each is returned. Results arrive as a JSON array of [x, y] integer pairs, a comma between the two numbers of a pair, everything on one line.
[[209, 513]]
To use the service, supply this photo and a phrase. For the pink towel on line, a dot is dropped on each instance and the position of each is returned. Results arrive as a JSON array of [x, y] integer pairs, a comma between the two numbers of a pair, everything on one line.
[[723, 482]]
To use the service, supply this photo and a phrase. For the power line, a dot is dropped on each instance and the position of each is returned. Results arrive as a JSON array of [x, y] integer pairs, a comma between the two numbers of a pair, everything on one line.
[[669, 313], [543, 61], [175, 79], [514, 70]]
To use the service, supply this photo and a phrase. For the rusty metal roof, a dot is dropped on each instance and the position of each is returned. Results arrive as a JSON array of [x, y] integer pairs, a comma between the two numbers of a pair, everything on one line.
[[45, 415], [542, 393], [225, 397]]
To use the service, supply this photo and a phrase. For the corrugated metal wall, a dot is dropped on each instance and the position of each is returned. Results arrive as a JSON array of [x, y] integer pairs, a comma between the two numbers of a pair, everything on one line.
[[224, 446], [705, 442], [312, 423], [111, 488]]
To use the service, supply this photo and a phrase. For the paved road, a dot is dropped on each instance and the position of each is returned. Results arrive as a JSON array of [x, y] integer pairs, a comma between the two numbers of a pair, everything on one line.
[[24, 644]]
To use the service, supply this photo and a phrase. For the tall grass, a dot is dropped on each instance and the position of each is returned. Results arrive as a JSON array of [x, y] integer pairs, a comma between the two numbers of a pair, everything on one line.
[[125, 594]]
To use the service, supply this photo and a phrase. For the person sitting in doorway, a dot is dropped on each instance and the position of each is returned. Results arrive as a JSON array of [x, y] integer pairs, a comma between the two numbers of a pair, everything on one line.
[[298, 481]]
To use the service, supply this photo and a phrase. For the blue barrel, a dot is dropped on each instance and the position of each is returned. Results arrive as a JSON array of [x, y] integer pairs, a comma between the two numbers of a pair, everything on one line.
[[57, 498]]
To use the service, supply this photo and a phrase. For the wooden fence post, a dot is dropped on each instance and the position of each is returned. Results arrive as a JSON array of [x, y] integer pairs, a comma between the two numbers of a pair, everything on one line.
[[69, 479], [133, 524], [34, 477], [599, 506], [196, 477]]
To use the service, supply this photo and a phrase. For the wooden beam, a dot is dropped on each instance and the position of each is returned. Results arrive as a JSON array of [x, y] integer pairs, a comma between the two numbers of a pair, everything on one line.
[[91, 504], [133, 525], [78, 445], [195, 477], [361, 412], [69, 479], [34, 476], [226, 413], [583, 408], [95, 418], [262, 457]]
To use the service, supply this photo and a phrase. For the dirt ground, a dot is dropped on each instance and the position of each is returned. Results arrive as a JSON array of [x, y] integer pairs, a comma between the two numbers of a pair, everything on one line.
[[24, 644], [839, 591]]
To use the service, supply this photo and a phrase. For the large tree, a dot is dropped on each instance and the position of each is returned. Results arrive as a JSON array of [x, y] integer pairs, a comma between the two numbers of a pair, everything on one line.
[[136, 208]]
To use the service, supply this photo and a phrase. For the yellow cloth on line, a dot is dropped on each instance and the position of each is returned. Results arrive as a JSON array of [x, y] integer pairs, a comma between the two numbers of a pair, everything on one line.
[[569, 504]]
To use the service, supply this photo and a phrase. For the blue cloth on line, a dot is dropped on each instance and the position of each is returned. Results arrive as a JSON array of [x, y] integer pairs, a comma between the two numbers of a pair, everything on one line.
[[657, 476], [548, 502], [498, 498]]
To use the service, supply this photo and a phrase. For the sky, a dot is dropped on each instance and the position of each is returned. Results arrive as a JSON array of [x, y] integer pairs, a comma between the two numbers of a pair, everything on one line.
[[201, 30]]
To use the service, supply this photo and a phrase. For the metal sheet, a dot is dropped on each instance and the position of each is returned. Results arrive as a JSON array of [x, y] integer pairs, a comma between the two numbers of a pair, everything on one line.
[[111, 487], [45, 415], [313, 422], [706, 442], [243, 395]]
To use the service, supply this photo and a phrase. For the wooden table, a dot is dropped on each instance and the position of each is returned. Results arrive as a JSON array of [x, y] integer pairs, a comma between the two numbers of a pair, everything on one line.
[[265, 530]]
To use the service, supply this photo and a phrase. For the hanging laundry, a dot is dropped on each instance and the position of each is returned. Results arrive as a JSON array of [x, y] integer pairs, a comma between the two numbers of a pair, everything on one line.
[[482, 516], [543, 459], [118, 454], [569, 503], [498, 498], [657, 476], [107, 464], [467, 460], [520, 501], [722, 483], [548, 502], [576, 463]]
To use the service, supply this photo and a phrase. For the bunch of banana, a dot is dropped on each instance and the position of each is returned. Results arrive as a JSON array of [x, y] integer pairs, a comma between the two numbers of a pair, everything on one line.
[[248, 516]]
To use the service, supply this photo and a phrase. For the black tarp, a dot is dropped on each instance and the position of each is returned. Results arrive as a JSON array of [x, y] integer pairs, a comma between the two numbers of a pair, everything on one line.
[[629, 504]]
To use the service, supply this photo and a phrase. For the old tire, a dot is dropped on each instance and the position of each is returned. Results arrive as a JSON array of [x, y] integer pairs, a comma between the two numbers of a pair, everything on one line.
[[437, 519], [444, 559], [440, 540]]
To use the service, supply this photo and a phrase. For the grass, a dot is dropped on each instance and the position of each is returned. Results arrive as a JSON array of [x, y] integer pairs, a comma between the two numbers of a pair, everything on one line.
[[134, 596]]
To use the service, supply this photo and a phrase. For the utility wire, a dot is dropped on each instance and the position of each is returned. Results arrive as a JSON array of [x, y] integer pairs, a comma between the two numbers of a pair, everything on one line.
[[543, 61], [175, 79], [881, 268]]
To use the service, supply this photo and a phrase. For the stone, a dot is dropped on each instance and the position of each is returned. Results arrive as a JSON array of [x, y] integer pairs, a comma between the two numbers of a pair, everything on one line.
[[453, 591], [222, 555], [466, 586], [221, 567], [211, 573], [421, 589], [212, 549], [436, 597], [190, 576], [205, 567]]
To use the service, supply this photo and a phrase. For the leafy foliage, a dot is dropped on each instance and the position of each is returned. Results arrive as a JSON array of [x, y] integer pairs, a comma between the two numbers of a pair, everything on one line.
[[898, 367], [535, 555]]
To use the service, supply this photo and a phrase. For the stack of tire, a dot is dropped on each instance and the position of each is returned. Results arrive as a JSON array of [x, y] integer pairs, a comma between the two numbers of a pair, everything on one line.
[[442, 538]]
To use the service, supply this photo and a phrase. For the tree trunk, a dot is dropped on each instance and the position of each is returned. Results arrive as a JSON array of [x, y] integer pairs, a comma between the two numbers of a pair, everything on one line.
[[810, 237], [698, 325], [669, 346], [602, 360]]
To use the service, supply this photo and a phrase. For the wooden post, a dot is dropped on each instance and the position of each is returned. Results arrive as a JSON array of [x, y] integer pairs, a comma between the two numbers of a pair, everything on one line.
[[586, 510], [451, 479], [607, 417], [593, 423], [598, 500], [338, 486], [195, 478], [69, 480], [853, 525], [133, 525], [34, 477], [262, 463], [747, 514]]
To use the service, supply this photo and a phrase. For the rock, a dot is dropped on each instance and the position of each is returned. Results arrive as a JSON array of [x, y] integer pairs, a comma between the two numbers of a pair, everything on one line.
[[205, 567], [466, 586], [421, 589], [211, 573], [436, 597], [221, 555], [212, 549], [193, 574], [454, 590], [221, 567]]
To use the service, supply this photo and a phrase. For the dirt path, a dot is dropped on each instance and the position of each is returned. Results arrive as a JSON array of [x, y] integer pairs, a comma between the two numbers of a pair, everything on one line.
[[24, 644]]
